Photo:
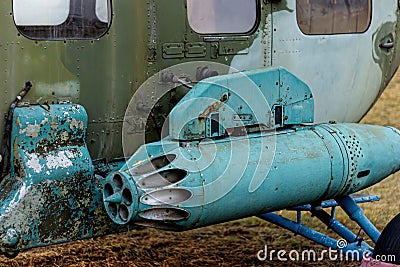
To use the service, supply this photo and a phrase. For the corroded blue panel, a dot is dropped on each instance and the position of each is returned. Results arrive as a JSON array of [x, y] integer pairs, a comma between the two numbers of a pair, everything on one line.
[[52, 194], [270, 97]]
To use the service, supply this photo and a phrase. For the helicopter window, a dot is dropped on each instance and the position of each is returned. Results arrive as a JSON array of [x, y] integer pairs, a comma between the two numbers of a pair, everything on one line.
[[39, 12], [333, 16], [102, 11], [62, 19], [222, 16]]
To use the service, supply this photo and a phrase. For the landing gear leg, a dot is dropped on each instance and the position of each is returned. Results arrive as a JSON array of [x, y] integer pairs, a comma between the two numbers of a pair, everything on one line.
[[351, 244]]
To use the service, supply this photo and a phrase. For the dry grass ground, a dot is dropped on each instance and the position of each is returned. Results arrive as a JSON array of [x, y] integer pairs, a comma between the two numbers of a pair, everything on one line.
[[230, 244]]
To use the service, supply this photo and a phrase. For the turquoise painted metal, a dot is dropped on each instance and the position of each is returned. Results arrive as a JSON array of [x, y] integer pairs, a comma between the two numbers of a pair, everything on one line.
[[178, 186], [52, 194], [222, 151], [239, 144], [50, 140], [213, 163], [268, 97], [351, 244]]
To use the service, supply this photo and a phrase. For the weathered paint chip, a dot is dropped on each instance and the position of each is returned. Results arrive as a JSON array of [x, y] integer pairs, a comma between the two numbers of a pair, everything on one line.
[[33, 163], [60, 160]]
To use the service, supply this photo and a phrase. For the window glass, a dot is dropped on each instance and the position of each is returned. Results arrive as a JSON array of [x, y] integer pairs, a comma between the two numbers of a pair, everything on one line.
[[333, 16], [222, 16], [102, 10], [40, 12], [62, 19]]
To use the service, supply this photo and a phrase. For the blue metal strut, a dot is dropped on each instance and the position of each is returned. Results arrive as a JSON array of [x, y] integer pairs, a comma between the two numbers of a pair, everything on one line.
[[357, 214]]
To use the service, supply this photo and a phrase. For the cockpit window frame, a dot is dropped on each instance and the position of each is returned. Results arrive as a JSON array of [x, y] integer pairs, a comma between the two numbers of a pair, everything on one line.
[[54, 27], [368, 25], [217, 34]]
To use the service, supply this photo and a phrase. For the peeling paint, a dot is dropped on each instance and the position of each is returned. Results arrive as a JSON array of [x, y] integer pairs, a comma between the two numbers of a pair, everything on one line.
[[33, 163], [51, 194], [54, 125], [32, 130], [58, 161], [76, 124], [64, 136]]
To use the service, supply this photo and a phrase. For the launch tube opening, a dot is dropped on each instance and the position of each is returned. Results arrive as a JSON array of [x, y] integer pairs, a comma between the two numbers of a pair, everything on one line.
[[123, 213], [165, 214], [112, 207], [127, 197], [108, 190], [163, 178], [118, 181], [155, 164]]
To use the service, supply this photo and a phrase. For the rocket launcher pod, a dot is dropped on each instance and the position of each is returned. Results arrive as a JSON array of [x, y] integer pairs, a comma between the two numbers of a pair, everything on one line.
[[187, 186], [241, 145]]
